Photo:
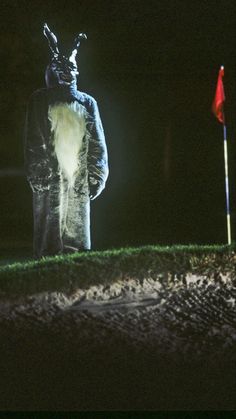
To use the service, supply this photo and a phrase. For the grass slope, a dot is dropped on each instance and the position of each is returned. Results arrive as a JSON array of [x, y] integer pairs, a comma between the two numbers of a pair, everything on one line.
[[68, 272], [175, 354]]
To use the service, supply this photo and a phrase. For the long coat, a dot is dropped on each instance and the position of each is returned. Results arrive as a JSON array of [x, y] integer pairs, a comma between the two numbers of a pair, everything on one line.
[[66, 163]]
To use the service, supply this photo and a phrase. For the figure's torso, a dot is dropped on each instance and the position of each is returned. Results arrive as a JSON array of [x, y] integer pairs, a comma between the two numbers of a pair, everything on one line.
[[68, 128], [66, 118]]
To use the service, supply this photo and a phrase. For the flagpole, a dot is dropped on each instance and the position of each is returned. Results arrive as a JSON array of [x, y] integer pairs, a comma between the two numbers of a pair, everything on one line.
[[218, 110], [227, 185]]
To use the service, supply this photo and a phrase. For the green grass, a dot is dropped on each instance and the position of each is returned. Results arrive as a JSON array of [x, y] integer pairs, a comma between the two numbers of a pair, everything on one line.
[[68, 272]]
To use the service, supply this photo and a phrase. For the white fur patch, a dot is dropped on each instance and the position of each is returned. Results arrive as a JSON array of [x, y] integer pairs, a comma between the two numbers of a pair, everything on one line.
[[68, 125]]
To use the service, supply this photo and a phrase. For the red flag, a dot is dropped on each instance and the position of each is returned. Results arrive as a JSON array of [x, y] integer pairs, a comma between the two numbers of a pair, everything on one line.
[[218, 102]]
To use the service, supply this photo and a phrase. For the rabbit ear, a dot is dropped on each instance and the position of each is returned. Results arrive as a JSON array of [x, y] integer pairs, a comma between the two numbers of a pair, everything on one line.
[[52, 40], [81, 36]]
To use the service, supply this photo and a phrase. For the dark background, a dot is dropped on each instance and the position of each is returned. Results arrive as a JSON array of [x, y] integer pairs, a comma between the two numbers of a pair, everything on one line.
[[152, 66]]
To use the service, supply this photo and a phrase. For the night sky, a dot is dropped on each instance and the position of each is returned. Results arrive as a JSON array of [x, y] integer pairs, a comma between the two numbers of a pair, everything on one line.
[[152, 66]]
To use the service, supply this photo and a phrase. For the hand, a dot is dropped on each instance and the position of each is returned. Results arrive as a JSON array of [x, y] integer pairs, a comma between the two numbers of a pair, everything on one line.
[[93, 192]]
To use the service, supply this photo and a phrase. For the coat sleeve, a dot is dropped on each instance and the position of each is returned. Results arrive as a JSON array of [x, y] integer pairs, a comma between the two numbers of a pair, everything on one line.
[[97, 153], [36, 158]]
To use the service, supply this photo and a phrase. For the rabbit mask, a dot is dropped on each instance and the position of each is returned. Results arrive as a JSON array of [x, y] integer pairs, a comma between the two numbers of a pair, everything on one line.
[[62, 70]]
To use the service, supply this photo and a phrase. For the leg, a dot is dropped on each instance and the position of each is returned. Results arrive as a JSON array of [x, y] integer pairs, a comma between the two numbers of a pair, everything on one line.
[[77, 233], [46, 208]]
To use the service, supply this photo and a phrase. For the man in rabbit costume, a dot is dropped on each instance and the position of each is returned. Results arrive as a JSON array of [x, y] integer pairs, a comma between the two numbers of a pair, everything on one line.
[[65, 156]]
